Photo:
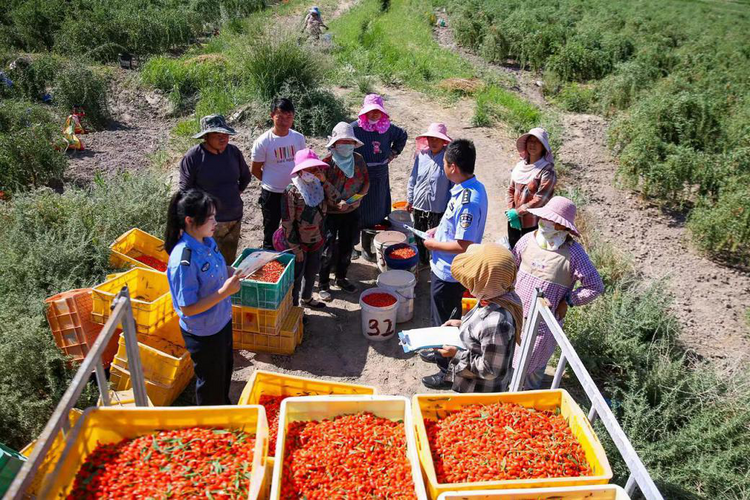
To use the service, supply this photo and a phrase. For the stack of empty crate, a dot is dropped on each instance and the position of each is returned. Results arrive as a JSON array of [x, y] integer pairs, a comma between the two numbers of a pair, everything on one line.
[[263, 319]]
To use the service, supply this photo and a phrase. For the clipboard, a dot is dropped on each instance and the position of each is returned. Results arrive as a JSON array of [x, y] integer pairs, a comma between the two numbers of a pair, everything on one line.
[[354, 198], [430, 338], [417, 232]]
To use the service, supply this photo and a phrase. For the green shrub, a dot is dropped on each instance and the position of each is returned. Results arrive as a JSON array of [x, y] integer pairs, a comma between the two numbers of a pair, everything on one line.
[[317, 111], [495, 103], [77, 85], [35, 22], [575, 97], [54, 243], [722, 227]]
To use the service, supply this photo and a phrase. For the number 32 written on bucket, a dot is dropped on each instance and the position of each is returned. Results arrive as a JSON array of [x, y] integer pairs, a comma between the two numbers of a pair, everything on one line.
[[375, 326]]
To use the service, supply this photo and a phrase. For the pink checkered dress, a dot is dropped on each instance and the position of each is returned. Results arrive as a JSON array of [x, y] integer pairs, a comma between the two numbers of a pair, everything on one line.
[[584, 272]]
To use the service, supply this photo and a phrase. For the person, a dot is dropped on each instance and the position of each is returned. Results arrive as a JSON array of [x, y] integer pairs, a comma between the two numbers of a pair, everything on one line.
[[201, 284], [532, 183], [490, 331], [348, 176], [313, 23], [462, 224], [551, 260], [381, 142], [428, 189], [272, 163], [219, 168], [303, 212]]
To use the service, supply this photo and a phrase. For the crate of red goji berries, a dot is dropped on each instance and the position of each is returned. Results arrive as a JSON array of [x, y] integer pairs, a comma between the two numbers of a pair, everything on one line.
[[529, 439], [361, 445], [137, 248], [218, 451], [269, 389], [267, 287]]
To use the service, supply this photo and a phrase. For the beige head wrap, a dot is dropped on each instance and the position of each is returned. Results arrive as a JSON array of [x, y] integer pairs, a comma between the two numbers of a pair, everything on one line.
[[488, 271]]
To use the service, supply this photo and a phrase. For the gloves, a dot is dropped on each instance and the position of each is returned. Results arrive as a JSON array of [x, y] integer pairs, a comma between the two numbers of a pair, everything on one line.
[[513, 219]]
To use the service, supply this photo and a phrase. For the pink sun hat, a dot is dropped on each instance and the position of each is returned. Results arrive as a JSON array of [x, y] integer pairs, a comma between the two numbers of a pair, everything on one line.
[[372, 102], [437, 130], [306, 158], [560, 210]]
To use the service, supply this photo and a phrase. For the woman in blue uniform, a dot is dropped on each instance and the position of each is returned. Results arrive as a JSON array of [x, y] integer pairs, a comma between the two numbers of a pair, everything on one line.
[[201, 283]]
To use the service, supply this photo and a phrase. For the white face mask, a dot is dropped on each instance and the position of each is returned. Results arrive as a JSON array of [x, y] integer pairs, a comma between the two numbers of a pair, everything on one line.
[[550, 238], [307, 176], [373, 122], [344, 150]]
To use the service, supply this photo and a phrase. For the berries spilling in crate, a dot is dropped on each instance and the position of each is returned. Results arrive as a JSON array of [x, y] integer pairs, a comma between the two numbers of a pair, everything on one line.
[[270, 273], [357, 456], [152, 262], [403, 253], [503, 441], [183, 463], [272, 404], [379, 299]]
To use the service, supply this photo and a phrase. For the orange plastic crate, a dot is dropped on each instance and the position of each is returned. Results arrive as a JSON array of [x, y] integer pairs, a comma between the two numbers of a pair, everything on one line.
[[69, 317], [267, 321], [285, 342]]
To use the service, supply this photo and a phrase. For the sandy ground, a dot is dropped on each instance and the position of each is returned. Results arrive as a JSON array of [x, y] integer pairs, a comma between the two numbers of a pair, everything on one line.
[[710, 299]]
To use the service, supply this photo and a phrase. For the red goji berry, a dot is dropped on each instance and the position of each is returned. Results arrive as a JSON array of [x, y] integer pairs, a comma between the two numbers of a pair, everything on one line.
[[379, 299]]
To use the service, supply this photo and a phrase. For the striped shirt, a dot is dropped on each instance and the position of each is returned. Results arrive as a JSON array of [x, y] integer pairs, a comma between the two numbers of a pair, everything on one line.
[[488, 332], [377, 147], [535, 194], [583, 272]]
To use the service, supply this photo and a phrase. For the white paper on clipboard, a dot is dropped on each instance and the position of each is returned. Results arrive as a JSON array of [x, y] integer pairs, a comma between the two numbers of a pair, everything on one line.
[[430, 338], [254, 261], [417, 232]]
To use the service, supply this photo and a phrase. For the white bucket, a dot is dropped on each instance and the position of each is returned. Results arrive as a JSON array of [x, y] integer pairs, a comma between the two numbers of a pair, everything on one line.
[[383, 240], [399, 220], [378, 323], [402, 283]]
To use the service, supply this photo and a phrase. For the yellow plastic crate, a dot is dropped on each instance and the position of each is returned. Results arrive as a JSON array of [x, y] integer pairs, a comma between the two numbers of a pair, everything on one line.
[[110, 425], [595, 492], [149, 294], [53, 455], [467, 304], [163, 353], [434, 406], [267, 321], [159, 394], [327, 407], [122, 398], [265, 489], [136, 243], [279, 384], [285, 342]]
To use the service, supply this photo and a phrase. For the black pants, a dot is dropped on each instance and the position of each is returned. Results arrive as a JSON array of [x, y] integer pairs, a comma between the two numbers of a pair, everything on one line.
[[514, 234], [305, 273], [270, 206], [341, 233], [213, 363], [445, 301], [423, 221]]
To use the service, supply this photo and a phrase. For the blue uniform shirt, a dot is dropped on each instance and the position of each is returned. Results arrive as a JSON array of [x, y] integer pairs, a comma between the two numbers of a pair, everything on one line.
[[464, 219], [196, 270]]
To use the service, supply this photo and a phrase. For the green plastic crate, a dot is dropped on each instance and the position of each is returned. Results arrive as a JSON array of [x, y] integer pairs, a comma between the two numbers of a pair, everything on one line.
[[10, 463], [264, 295]]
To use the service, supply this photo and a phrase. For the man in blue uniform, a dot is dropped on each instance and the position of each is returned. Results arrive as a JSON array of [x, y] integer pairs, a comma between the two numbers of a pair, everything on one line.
[[462, 224]]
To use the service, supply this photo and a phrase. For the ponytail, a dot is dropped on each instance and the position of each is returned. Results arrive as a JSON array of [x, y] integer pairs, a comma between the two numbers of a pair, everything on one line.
[[194, 203]]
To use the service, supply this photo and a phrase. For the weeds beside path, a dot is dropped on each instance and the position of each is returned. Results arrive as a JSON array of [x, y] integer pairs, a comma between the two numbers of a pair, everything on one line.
[[710, 299]]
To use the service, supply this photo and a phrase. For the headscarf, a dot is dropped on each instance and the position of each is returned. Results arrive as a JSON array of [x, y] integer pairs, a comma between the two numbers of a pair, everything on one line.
[[344, 163], [488, 271], [524, 172], [310, 188], [381, 126]]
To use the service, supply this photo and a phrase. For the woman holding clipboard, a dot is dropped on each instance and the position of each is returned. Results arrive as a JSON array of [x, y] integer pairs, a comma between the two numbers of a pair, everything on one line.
[[348, 175]]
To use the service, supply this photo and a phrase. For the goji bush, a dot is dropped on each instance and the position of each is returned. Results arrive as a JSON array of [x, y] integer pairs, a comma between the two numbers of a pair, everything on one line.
[[184, 463], [503, 441], [350, 456]]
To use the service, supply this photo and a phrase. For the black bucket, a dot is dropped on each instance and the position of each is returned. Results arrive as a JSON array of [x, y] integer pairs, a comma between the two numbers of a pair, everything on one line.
[[368, 251]]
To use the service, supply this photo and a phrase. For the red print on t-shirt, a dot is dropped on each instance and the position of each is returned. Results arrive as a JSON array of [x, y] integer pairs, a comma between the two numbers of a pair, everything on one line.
[[375, 147]]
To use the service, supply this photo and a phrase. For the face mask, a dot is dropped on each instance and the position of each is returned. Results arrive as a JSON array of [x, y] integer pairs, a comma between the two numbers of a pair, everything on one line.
[[373, 122], [307, 177], [344, 150], [550, 238]]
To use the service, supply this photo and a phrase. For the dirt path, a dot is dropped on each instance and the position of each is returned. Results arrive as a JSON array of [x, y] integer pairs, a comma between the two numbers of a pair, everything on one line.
[[710, 299]]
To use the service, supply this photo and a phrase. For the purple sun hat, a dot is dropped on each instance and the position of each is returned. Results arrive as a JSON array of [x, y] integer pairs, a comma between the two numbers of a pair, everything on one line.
[[560, 210]]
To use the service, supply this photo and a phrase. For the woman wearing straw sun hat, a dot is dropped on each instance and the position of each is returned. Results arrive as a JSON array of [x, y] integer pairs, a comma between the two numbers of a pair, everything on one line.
[[303, 212], [428, 190], [381, 143], [348, 176], [551, 260], [532, 183]]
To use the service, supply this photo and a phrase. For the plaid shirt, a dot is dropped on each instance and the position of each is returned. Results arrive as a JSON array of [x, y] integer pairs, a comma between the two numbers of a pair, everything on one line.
[[488, 332], [535, 194]]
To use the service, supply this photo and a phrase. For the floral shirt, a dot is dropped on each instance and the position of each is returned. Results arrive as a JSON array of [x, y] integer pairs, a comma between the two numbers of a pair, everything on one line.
[[344, 186], [304, 225]]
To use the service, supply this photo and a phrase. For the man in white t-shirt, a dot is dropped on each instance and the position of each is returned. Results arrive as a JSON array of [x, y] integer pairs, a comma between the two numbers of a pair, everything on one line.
[[272, 163]]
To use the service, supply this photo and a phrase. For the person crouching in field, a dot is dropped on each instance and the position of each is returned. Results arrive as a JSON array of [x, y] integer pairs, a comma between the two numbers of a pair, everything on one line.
[[429, 189], [491, 330], [313, 23], [303, 212], [201, 284], [532, 183], [551, 260]]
